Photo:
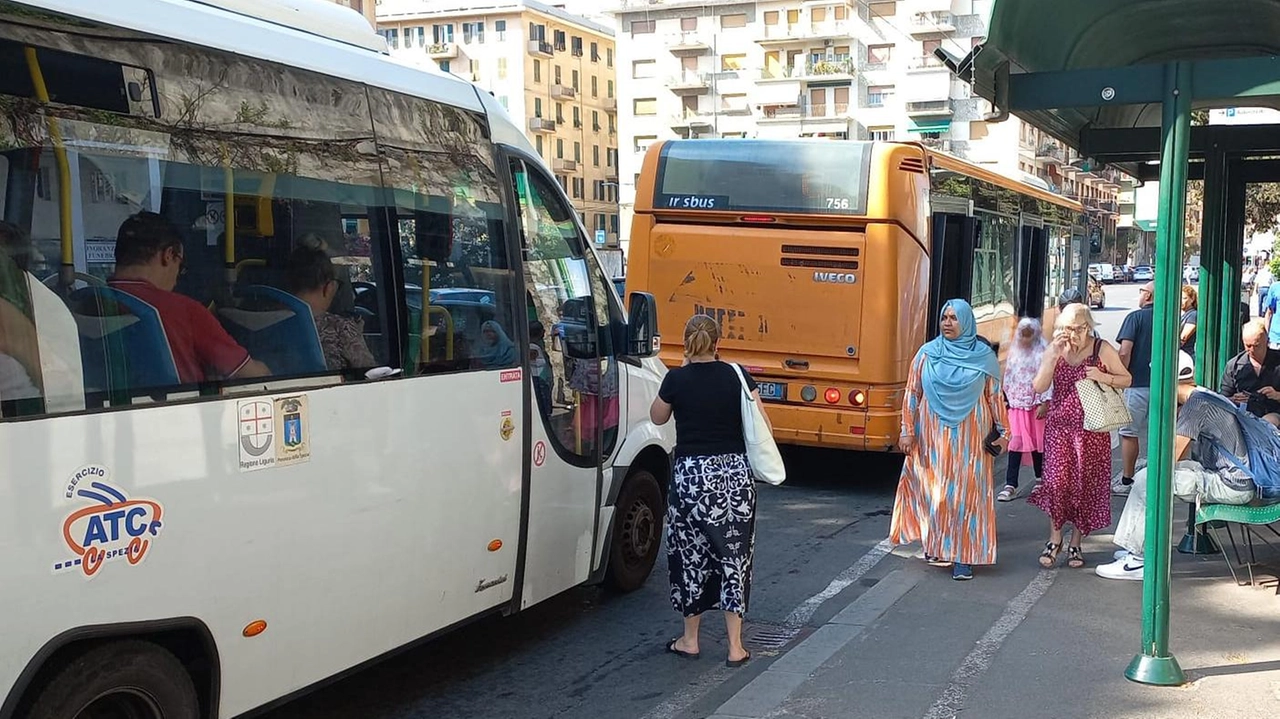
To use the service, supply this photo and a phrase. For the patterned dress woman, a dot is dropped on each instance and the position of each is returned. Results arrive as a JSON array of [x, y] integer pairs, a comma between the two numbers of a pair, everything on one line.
[[712, 502], [1076, 488], [946, 498]]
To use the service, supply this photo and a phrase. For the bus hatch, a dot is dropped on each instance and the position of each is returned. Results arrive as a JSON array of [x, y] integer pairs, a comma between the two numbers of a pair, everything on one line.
[[793, 293]]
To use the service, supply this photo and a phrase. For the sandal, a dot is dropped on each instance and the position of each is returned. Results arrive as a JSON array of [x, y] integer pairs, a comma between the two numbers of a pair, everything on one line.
[[1075, 558], [936, 561], [1049, 556], [735, 663], [671, 648]]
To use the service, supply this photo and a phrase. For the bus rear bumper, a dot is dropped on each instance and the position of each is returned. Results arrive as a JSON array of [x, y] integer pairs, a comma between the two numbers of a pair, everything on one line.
[[874, 430]]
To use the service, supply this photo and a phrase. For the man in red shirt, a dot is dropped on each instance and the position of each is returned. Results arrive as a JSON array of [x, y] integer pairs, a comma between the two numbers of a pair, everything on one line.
[[148, 264]]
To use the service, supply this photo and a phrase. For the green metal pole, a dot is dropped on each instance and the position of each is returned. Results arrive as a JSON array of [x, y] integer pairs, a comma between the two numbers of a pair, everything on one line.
[[1229, 342], [1155, 664], [1212, 257]]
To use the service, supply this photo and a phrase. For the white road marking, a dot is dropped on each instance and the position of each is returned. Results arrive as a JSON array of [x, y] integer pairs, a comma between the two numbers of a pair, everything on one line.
[[952, 701], [700, 687]]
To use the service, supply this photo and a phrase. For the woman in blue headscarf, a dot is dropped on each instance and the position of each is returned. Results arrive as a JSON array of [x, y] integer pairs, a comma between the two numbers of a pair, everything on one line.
[[946, 498]]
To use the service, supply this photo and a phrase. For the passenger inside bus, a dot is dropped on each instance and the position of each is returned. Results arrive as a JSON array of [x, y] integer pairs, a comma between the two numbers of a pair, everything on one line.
[[19, 354], [311, 277], [495, 349], [149, 261]]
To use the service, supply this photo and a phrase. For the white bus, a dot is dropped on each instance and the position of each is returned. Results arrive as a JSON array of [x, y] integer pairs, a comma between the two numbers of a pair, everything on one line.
[[304, 358]]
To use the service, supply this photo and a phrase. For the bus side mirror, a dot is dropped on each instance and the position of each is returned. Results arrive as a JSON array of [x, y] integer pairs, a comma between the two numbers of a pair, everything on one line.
[[643, 339]]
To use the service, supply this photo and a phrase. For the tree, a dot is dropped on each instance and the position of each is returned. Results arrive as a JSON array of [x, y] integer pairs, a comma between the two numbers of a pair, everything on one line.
[[1261, 204]]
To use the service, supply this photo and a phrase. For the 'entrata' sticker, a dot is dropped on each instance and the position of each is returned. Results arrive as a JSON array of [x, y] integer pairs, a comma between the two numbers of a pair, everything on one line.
[[511, 375]]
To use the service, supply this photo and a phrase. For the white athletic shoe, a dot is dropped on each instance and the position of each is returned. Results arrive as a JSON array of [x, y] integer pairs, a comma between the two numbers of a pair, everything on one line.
[[1130, 567], [1118, 487]]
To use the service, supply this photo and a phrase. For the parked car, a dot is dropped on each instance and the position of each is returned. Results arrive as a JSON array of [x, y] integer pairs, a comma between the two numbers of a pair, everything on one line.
[[1103, 271], [1143, 273]]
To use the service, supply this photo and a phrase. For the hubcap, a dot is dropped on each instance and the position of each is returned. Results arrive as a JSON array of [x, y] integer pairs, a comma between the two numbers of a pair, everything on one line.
[[638, 529]]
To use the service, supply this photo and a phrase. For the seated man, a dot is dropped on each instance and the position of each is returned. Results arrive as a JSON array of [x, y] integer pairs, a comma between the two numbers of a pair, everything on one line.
[[148, 264], [1252, 378], [311, 278], [1206, 422]]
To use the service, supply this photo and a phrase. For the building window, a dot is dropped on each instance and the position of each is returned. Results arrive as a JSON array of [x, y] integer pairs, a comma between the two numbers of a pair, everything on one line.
[[611, 156], [537, 71], [878, 56], [880, 134], [610, 87], [575, 46], [576, 85], [500, 27], [557, 73], [473, 32], [537, 107], [445, 66], [538, 142], [442, 34], [422, 36], [733, 62], [393, 38], [595, 121], [595, 155], [642, 69], [642, 27], [609, 55], [537, 32], [613, 224], [595, 52], [559, 148], [877, 95], [502, 68], [689, 23], [595, 86], [577, 116], [475, 71], [882, 9], [732, 21], [559, 40], [842, 12], [771, 17], [577, 149], [642, 142], [645, 106], [612, 127], [560, 113]]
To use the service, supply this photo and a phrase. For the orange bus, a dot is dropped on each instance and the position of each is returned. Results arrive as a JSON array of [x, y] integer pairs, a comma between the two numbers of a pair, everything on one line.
[[826, 265]]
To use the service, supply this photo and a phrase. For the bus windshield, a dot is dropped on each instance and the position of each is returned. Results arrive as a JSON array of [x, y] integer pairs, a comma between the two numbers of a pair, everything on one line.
[[805, 177]]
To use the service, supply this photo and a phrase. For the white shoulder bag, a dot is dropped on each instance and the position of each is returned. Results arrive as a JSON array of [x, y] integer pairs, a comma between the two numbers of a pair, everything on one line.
[[762, 451]]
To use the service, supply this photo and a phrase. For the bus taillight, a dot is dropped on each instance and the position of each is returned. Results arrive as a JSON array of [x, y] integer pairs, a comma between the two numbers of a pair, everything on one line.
[[833, 395], [857, 398]]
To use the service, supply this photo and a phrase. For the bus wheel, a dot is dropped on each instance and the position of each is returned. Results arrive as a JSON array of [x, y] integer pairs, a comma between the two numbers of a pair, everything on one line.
[[637, 532], [121, 680]]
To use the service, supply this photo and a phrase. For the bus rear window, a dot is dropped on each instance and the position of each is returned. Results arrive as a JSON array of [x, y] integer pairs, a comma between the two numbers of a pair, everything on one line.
[[807, 177]]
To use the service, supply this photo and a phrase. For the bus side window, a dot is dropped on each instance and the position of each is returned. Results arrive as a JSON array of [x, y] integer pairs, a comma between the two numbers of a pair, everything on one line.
[[450, 230]]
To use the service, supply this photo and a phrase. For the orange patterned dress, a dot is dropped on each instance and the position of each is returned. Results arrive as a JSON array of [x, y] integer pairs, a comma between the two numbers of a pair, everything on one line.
[[946, 495]]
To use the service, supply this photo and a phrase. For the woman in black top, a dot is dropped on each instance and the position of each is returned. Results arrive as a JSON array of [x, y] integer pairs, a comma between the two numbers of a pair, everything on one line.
[[712, 503]]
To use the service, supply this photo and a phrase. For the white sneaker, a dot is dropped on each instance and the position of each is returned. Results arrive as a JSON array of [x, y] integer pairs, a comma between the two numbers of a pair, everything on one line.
[[1130, 567], [1118, 487]]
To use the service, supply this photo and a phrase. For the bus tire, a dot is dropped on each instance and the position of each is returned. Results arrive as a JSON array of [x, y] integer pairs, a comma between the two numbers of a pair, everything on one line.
[[637, 532], [127, 678]]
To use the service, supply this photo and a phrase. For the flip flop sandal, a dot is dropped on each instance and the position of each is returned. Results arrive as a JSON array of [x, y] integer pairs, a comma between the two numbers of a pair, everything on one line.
[[671, 649], [735, 663], [1049, 557], [936, 561], [1075, 558]]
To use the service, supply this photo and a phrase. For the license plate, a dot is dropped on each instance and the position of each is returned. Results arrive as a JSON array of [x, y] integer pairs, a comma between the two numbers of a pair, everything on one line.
[[772, 390]]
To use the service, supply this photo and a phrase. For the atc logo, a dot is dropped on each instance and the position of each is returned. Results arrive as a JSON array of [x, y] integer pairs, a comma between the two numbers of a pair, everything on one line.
[[112, 527]]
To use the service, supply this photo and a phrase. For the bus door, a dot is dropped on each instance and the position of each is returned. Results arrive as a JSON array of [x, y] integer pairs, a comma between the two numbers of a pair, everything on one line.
[[1032, 259], [955, 238], [573, 383]]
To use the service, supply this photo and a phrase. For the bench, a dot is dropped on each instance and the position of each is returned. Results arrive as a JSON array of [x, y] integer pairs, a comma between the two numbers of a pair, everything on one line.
[[1246, 515]]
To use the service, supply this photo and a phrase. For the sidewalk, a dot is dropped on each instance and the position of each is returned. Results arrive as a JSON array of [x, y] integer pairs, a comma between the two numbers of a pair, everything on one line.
[[1021, 643]]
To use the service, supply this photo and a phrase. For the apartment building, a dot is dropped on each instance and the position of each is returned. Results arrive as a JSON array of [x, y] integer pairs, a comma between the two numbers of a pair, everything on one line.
[[553, 71], [364, 7], [834, 69]]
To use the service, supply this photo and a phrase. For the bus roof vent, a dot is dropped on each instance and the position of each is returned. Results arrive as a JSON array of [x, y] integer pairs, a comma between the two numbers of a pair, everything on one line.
[[317, 17], [912, 164]]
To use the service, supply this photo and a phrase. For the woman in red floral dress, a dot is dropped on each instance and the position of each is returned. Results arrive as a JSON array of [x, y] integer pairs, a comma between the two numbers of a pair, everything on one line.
[[1076, 488]]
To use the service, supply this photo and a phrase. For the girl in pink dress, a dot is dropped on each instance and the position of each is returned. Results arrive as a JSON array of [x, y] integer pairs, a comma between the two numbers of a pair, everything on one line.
[[1027, 407], [1076, 489]]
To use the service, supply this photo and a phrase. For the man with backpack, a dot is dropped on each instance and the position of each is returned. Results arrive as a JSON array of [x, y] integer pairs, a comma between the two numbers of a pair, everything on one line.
[[1223, 455]]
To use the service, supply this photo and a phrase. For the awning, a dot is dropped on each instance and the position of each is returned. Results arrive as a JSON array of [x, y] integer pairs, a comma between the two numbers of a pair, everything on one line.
[[939, 125], [1145, 225]]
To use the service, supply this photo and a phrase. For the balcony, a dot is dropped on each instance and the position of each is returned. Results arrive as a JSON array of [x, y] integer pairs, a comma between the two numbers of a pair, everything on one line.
[[562, 165], [541, 124], [834, 112], [929, 108], [829, 30], [611, 174], [1049, 153], [691, 120], [541, 48], [834, 68], [932, 23], [688, 43], [689, 83], [610, 104], [442, 50], [563, 92], [925, 63]]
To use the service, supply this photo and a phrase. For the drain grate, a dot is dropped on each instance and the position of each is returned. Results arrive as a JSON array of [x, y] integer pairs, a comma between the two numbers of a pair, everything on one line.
[[768, 637]]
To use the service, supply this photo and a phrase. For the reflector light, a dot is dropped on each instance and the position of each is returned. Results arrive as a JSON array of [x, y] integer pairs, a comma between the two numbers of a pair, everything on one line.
[[254, 628], [758, 218], [833, 395], [856, 397], [808, 393]]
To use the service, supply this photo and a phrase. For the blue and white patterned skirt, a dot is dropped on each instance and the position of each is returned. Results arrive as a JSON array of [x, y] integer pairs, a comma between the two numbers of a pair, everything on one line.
[[711, 518]]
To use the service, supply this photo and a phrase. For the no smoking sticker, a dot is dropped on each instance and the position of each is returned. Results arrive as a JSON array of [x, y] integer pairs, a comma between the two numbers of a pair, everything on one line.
[[539, 453]]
